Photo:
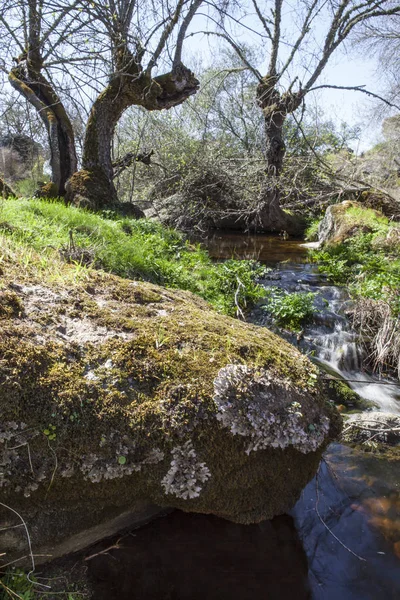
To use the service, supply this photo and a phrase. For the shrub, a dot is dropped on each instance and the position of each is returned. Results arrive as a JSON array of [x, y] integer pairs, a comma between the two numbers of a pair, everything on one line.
[[291, 310]]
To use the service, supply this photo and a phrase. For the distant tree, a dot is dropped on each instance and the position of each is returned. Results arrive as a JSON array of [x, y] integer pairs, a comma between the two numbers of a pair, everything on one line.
[[381, 38], [108, 49], [298, 42]]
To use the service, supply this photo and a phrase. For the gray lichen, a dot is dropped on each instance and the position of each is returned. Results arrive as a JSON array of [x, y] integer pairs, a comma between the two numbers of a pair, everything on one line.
[[252, 404], [186, 473]]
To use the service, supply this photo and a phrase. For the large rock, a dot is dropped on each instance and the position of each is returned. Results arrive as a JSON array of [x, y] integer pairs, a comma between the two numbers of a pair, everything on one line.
[[119, 399], [337, 225]]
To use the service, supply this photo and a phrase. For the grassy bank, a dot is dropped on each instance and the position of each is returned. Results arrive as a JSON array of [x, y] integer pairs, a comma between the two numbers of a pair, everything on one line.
[[41, 231], [367, 260]]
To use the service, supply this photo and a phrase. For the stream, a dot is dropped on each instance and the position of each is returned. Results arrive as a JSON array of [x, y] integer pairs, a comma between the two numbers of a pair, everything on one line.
[[342, 538]]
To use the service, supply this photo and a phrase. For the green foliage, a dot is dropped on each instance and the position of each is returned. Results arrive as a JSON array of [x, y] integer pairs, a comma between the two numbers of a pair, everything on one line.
[[311, 233], [366, 262], [135, 249], [291, 310], [14, 584], [25, 187]]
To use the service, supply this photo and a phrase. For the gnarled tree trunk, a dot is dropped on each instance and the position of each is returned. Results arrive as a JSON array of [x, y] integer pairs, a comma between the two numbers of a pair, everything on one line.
[[93, 185], [28, 80], [275, 107]]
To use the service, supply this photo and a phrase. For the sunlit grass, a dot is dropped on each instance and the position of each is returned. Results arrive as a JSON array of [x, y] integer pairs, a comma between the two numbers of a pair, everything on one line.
[[40, 235]]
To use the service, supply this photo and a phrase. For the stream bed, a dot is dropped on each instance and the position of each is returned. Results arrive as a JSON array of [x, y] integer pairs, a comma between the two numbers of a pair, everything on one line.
[[341, 540]]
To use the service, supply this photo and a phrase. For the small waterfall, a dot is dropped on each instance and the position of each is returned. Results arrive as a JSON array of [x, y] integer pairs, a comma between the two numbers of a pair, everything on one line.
[[330, 337]]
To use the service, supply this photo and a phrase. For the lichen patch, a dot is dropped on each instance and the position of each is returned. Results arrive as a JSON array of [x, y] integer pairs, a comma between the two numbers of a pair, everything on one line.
[[186, 473], [264, 409]]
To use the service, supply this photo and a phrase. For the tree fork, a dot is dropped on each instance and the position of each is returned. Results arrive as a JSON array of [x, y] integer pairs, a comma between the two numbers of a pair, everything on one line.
[[131, 87]]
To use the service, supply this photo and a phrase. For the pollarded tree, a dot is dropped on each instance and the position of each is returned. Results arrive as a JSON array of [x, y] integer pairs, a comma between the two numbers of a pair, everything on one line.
[[299, 41], [32, 33], [135, 50], [105, 48]]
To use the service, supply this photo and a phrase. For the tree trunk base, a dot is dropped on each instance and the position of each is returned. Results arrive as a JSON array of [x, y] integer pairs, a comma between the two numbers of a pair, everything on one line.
[[91, 189], [5, 190], [269, 217]]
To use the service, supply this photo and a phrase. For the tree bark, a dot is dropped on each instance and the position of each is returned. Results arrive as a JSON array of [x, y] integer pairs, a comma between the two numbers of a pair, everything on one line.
[[275, 107], [27, 79], [93, 186]]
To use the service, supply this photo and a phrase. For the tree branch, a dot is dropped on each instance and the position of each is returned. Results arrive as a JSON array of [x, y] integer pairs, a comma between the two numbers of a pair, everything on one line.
[[355, 88]]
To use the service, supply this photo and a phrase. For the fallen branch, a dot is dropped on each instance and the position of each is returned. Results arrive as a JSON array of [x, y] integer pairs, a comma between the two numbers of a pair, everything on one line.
[[115, 546]]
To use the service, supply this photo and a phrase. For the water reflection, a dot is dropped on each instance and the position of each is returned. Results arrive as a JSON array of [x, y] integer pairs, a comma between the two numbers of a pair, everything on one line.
[[268, 249], [200, 557], [357, 498]]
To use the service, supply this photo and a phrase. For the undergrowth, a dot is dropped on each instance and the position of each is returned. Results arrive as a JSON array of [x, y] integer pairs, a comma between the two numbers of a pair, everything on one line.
[[367, 264], [291, 310], [42, 231]]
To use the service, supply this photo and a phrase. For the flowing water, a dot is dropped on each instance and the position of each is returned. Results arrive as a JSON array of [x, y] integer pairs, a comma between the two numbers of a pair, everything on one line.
[[329, 338], [342, 539]]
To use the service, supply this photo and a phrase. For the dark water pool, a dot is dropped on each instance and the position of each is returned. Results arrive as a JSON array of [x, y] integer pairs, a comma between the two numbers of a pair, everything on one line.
[[268, 249], [197, 557]]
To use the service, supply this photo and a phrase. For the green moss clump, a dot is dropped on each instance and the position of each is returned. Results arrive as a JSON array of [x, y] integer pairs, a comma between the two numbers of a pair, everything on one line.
[[48, 190], [90, 189], [341, 394], [10, 305]]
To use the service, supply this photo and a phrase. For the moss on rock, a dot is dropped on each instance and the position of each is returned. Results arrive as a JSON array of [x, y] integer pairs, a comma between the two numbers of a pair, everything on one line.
[[48, 190], [342, 395], [348, 219], [115, 393]]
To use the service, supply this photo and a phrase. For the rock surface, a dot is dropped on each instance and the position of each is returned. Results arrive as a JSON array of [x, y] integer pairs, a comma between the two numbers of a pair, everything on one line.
[[336, 225], [119, 399], [373, 427]]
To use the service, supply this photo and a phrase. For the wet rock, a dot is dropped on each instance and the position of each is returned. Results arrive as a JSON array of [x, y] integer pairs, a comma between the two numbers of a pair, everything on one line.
[[132, 399], [374, 427], [342, 395]]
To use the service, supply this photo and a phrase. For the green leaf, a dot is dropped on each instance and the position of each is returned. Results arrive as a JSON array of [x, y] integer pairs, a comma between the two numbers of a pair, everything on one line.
[[122, 460]]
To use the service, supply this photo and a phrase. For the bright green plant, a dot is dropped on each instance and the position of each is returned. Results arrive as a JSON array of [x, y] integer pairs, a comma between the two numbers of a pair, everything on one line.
[[311, 233], [291, 310]]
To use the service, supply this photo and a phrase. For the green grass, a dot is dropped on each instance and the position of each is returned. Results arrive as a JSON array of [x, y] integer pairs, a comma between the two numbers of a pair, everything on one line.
[[311, 233], [369, 263], [42, 231]]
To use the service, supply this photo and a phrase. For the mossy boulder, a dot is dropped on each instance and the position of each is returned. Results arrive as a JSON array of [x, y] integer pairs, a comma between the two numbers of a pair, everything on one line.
[[120, 398], [47, 190], [347, 219]]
